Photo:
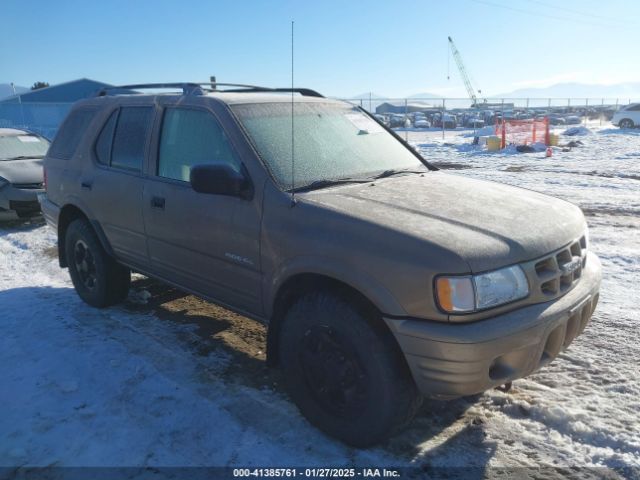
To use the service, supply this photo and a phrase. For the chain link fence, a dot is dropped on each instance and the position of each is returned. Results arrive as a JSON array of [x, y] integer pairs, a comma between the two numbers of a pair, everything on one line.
[[446, 114], [453, 114]]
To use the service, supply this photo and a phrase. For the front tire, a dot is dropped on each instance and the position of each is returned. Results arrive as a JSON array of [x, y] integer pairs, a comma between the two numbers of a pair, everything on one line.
[[626, 123], [345, 373], [99, 280]]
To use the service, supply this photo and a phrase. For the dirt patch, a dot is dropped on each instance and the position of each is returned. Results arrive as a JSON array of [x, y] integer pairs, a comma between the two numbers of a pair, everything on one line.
[[451, 166], [219, 330], [51, 252], [515, 168], [614, 212], [595, 173], [8, 220]]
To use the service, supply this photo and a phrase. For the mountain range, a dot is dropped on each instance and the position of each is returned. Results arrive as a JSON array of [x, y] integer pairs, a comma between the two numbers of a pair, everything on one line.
[[6, 90], [579, 90], [375, 96], [623, 91]]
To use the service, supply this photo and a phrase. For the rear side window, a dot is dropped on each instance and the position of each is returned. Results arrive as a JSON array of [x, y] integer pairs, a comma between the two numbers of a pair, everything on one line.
[[634, 108], [130, 137], [123, 138], [71, 133]]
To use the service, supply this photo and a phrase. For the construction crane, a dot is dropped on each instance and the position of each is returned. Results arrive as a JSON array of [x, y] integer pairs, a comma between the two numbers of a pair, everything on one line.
[[463, 73]]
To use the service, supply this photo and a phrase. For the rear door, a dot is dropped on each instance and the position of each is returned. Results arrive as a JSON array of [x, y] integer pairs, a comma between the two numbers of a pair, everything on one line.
[[206, 243], [113, 186]]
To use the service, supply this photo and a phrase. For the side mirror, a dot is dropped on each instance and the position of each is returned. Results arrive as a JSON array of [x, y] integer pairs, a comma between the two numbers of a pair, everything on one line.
[[220, 180]]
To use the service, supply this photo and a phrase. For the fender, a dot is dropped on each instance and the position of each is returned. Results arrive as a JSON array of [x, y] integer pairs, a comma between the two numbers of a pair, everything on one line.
[[75, 201], [360, 280]]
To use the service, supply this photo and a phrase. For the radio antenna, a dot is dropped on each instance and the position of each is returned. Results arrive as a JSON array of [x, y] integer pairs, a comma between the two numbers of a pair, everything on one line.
[[293, 158]]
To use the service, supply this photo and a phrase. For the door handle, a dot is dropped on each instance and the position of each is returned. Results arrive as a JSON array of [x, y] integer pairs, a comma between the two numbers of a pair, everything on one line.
[[86, 185], [157, 202]]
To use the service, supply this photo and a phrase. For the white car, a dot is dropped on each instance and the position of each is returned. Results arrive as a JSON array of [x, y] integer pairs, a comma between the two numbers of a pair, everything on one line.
[[627, 117], [422, 123]]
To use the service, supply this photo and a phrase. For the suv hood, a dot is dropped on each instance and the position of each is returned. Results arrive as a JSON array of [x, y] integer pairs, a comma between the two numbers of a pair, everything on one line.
[[488, 224], [22, 171]]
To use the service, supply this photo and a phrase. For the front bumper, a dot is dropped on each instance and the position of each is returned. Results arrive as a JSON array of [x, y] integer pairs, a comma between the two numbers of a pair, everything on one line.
[[453, 360], [24, 201]]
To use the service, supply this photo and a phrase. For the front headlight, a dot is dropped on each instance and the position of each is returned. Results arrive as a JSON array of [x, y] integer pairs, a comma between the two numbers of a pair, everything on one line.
[[479, 292]]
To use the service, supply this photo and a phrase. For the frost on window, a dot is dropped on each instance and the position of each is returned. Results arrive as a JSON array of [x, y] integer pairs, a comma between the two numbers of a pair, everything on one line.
[[330, 141]]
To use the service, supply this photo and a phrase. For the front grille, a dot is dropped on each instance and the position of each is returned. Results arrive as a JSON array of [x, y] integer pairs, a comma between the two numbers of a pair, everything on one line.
[[558, 272], [29, 186]]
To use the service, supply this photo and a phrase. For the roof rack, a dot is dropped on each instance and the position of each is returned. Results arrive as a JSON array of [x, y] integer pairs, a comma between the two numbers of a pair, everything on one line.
[[191, 88]]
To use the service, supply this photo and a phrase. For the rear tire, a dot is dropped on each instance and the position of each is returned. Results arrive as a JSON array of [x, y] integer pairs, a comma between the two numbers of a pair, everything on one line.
[[99, 280], [626, 123], [345, 373]]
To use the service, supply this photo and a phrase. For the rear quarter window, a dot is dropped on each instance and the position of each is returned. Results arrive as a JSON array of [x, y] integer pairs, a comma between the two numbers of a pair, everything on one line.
[[71, 132], [105, 140]]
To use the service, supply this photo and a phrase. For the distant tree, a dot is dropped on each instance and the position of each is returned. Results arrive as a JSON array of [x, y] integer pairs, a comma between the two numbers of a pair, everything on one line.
[[38, 85]]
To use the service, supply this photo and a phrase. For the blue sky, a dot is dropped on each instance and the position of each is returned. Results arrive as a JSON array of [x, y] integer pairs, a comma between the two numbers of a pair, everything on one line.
[[342, 48]]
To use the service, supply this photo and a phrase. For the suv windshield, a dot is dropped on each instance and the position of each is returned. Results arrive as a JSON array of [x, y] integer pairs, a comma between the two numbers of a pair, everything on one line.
[[332, 141], [16, 147]]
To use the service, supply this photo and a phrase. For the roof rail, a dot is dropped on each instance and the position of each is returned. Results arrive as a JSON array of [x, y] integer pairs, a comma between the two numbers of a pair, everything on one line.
[[187, 88], [307, 92], [192, 88]]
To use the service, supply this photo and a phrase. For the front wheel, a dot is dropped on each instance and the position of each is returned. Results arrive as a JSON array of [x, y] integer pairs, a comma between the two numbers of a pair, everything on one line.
[[626, 123], [346, 375], [99, 280]]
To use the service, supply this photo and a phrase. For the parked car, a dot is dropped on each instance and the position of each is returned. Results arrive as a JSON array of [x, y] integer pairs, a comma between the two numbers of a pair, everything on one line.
[[474, 122], [21, 154], [422, 123], [448, 119], [381, 278], [381, 118], [398, 121], [573, 120], [627, 117], [556, 120]]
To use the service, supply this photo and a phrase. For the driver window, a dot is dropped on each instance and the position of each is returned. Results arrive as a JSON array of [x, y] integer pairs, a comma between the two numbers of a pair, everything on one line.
[[191, 137]]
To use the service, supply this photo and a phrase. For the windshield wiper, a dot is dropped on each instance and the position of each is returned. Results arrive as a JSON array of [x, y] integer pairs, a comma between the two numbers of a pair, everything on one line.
[[318, 184], [392, 172], [25, 157]]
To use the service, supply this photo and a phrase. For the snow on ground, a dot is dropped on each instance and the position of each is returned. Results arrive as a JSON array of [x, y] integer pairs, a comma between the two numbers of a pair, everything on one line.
[[122, 386]]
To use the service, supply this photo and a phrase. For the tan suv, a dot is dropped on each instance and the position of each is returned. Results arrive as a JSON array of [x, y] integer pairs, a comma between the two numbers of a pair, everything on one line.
[[381, 278]]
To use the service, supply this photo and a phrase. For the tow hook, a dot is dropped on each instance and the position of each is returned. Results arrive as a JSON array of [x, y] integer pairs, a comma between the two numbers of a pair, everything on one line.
[[504, 388]]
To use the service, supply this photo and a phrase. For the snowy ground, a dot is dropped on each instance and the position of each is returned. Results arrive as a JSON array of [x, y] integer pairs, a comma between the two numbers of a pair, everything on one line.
[[178, 382]]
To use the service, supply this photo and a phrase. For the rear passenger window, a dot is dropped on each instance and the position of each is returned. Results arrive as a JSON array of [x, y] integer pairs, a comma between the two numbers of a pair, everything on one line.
[[68, 137], [129, 142], [105, 140], [191, 137]]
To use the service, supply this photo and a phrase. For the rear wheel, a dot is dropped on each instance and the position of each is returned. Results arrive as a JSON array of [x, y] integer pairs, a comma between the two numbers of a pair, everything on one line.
[[99, 280], [345, 374], [626, 123]]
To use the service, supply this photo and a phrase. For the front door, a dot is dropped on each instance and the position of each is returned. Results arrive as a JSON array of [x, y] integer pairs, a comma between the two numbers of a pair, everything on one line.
[[207, 243]]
